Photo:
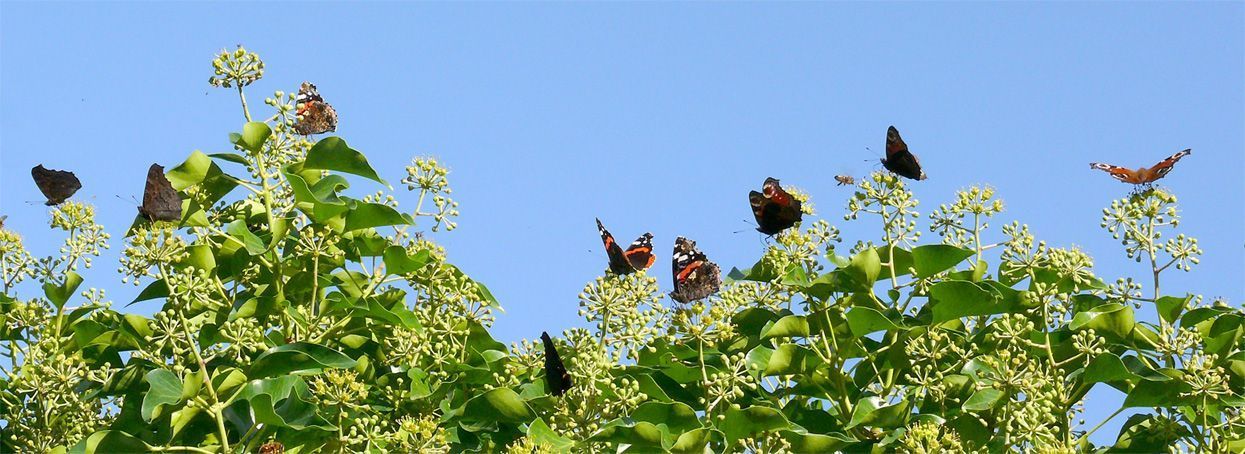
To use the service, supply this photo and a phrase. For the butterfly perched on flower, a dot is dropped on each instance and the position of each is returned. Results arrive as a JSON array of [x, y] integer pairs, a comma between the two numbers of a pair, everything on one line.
[[774, 208], [314, 116], [898, 159], [160, 200], [56, 185], [695, 277], [1143, 175], [844, 180], [638, 256], [556, 377]]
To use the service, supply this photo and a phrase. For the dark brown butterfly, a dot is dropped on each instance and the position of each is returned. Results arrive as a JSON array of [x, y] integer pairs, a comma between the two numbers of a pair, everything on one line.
[[774, 208], [556, 377], [160, 200], [695, 277], [638, 256], [899, 159], [844, 180], [56, 185], [1143, 175], [313, 114]]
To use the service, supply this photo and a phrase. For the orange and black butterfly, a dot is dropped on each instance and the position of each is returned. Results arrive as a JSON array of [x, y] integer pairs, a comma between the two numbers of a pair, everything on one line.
[[695, 277], [844, 180], [774, 208], [56, 185], [160, 200], [1143, 175], [899, 159], [313, 114], [638, 256], [556, 377]]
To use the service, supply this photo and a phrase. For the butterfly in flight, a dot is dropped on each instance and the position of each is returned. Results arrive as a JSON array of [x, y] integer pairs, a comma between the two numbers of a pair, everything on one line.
[[314, 116], [844, 180], [774, 208], [1143, 175], [160, 200], [56, 185], [899, 159], [695, 277], [556, 377], [638, 256]]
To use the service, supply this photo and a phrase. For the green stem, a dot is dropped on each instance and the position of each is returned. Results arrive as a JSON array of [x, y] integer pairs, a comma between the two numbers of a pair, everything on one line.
[[245, 111], [1085, 437]]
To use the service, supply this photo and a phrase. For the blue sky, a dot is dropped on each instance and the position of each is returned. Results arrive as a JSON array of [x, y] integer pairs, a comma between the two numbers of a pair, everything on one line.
[[657, 117]]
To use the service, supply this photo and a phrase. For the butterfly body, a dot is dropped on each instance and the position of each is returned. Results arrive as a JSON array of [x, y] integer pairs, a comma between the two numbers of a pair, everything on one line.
[[637, 256], [1142, 175], [556, 377], [314, 116], [898, 159], [774, 208], [56, 185], [160, 200], [695, 277]]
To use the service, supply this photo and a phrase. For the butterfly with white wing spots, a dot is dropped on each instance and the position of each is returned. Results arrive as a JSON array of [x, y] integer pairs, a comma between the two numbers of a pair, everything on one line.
[[695, 277], [313, 114], [638, 256], [1143, 175]]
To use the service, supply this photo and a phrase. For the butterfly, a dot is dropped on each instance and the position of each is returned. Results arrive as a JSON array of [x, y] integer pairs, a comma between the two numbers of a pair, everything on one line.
[[844, 180], [2, 218], [695, 277], [899, 159], [160, 200], [313, 114], [774, 208], [1143, 175], [272, 447], [56, 185], [638, 256], [556, 377]]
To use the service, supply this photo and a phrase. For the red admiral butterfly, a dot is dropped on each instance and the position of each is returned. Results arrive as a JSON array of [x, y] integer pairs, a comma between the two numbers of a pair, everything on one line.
[[314, 115], [775, 209], [160, 200], [1143, 175], [899, 159], [56, 185], [695, 277], [637, 257], [556, 377]]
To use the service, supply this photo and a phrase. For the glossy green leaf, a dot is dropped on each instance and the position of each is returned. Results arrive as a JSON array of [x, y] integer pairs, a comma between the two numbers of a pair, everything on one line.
[[1109, 367], [815, 442], [368, 215], [1112, 318], [874, 412], [253, 136], [166, 389], [956, 299], [298, 358], [789, 326], [935, 258], [750, 421], [984, 399], [1145, 433], [109, 441], [59, 294], [253, 244], [398, 262], [541, 434], [1170, 307], [864, 320], [332, 153], [499, 404]]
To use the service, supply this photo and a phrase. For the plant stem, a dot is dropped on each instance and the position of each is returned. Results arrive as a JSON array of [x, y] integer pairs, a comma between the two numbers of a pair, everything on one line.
[[1099, 426], [245, 111]]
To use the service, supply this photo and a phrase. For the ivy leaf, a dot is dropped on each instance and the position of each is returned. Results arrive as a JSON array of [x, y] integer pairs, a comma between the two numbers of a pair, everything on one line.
[[540, 433], [497, 405], [1109, 367], [239, 231], [983, 400], [298, 358], [865, 320], [677, 416], [166, 389], [332, 153], [59, 294], [935, 258], [253, 136], [398, 262], [109, 441], [874, 412], [367, 215], [788, 326], [1112, 318], [956, 299], [1170, 307], [747, 422], [694, 441]]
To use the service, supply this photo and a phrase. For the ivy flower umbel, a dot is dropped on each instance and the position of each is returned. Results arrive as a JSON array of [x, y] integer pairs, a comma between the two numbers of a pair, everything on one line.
[[625, 310], [150, 247], [948, 220], [236, 69], [430, 178], [16, 263], [885, 195]]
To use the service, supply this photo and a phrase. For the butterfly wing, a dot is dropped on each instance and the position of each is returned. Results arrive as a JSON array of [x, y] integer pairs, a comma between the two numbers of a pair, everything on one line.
[[695, 277], [774, 209], [56, 185], [898, 159], [314, 116], [1117, 172], [640, 253], [1161, 169], [160, 200], [618, 260], [556, 376]]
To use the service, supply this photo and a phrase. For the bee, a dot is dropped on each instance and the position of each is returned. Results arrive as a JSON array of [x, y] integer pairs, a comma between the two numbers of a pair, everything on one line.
[[844, 180]]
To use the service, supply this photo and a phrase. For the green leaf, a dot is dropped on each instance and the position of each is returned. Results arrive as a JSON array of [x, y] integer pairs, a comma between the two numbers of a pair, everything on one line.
[[984, 399], [1109, 367], [693, 441], [1112, 318], [864, 320], [789, 326], [1170, 307], [864, 268], [935, 258], [166, 389], [497, 405], [109, 441], [59, 294], [874, 412], [784, 360], [541, 434], [956, 299], [367, 215], [231, 157], [813, 442], [747, 422], [283, 402], [1159, 394], [298, 358], [679, 417], [238, 231], [253, 136], [397, 262], [1145, 433], [332, 153]]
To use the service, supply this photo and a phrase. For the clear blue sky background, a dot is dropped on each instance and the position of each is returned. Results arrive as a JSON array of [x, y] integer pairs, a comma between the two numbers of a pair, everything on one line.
[[657, 117]]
